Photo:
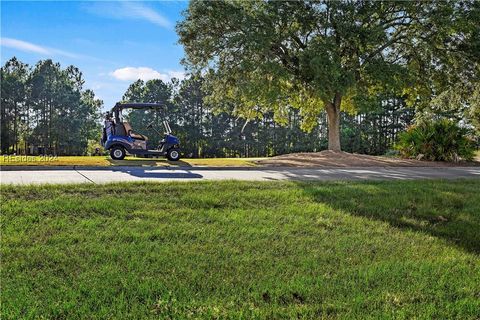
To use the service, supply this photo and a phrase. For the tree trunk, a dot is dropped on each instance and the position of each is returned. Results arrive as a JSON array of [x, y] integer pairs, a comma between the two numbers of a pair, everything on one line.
[[15, 128], [333, 113]]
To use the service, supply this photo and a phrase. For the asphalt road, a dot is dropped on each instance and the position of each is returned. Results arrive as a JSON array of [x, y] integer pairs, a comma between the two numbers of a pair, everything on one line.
[[106, 175]]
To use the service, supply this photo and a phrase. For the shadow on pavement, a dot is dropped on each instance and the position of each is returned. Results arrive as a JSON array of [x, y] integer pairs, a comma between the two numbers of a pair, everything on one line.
[[148, 162], [160, 173], [380, 173]]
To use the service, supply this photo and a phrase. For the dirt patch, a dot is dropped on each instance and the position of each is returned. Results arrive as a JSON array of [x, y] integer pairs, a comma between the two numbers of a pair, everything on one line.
[[337, 159]]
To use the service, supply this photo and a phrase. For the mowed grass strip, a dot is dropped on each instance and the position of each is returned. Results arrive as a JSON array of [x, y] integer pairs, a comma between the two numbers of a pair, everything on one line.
[[233, 250], [105, 161]]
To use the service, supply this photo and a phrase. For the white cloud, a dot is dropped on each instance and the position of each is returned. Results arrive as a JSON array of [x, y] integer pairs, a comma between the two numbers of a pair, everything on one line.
[[132, 74], [128, 10], [140, 11], [145, 73], [30, 47], [22, 45]]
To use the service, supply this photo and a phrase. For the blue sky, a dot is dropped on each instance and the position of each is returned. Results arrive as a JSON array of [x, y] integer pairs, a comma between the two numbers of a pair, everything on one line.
[[113, 43]]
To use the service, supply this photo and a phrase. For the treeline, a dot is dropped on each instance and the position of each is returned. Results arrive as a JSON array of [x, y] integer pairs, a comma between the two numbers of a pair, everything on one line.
[[46, 110]]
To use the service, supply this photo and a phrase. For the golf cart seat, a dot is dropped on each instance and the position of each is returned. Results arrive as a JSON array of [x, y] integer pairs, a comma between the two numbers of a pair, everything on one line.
[[133, 134]]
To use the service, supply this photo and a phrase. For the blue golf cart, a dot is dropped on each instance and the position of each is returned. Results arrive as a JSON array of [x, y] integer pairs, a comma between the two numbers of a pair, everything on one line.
[[119, 137]]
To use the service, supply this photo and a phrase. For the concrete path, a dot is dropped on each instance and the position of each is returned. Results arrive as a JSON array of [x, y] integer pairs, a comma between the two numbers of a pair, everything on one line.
[[105, 175]]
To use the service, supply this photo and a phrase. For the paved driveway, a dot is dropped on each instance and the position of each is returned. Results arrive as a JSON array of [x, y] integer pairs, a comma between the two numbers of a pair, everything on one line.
[[105, 175]]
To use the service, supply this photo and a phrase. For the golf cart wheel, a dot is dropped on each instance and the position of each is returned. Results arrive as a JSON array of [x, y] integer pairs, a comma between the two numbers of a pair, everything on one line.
[[173, 154], [117, 153]]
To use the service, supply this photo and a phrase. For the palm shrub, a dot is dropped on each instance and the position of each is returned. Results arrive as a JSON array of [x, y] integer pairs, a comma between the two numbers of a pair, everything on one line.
[[441, 140]]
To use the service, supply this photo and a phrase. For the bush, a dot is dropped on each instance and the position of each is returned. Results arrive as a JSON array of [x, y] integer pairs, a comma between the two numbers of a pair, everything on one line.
[[92, 146], [441, 140]]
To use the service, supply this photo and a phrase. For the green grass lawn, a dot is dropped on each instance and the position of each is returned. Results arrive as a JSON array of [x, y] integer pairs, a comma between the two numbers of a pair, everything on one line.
[[263, 250], [128, 161]]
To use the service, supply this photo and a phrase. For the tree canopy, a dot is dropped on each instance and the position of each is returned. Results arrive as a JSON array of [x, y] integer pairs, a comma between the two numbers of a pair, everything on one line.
[[264, 56]]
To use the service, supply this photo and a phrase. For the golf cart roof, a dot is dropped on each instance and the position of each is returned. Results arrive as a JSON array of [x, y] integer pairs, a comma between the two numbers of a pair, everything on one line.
[[121, 106]]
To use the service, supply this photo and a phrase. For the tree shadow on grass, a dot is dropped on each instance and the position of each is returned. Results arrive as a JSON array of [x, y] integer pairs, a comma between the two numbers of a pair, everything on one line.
[[448, 210]]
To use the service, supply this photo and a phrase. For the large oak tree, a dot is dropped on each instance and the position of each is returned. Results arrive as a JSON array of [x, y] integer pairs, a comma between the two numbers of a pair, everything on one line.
[[330, 55]]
